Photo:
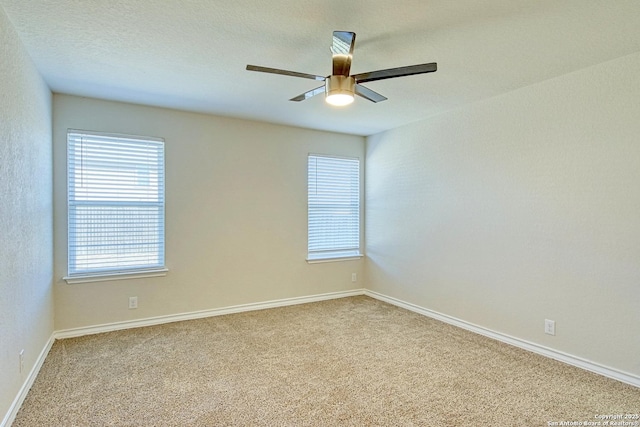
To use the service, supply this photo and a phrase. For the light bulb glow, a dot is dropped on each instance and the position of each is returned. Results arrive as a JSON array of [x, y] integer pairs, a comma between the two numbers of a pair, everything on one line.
[[339, 99]]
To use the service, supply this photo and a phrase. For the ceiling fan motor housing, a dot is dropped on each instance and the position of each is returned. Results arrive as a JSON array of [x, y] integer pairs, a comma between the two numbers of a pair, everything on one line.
[[339, 85]]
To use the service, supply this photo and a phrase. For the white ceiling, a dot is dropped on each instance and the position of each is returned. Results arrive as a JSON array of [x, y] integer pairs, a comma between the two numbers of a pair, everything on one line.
[[191, 54]]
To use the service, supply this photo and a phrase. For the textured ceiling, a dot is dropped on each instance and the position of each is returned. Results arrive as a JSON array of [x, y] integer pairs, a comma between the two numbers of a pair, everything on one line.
[[191, 54]]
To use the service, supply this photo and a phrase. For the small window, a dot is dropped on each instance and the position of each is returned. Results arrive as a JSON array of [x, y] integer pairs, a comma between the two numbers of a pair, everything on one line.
[[115, 204], [333, 208]]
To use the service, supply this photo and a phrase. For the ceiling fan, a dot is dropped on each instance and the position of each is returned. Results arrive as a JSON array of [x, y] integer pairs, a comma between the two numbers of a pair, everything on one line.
[[340, 87]]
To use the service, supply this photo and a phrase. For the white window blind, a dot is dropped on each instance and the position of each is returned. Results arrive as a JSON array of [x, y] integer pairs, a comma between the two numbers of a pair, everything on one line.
[[333, 207], [115, 203]]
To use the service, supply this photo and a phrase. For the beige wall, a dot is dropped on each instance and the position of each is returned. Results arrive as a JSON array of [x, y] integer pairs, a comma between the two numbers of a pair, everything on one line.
[[517, 209], [236, 212], [26, 236]]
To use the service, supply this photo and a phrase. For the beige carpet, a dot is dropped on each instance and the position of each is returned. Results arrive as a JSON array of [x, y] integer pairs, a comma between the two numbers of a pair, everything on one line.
[[352, 362]]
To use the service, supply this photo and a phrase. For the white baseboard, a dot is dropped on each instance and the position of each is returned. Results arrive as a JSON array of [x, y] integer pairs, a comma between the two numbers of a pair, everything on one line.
[[26, 386], [150, 321], [569, 359]]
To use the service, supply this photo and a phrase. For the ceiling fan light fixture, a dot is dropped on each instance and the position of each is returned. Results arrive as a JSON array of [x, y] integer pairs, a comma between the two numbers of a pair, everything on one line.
[[339, 99], [339, 90]]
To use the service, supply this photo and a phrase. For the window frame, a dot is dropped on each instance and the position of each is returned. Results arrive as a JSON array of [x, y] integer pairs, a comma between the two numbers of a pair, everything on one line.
[[118, 272], [336, 253]]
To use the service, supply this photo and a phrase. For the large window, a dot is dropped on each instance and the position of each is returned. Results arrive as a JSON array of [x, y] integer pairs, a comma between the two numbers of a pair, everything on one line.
[[333, 207], [115, 204]]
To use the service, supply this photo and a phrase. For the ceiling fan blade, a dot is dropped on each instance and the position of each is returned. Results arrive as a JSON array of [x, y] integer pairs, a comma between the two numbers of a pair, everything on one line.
[[284, 72], [342, 49], [395, 72], [367, 93], [309, 94]]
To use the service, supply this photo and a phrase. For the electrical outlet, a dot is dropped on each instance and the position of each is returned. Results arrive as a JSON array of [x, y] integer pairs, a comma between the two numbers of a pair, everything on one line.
[[354, 277], [21, 357], [549, 327], [133, 302]]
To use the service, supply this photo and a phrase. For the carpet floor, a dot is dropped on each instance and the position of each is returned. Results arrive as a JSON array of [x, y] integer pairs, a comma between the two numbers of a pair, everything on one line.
[[346, 362]]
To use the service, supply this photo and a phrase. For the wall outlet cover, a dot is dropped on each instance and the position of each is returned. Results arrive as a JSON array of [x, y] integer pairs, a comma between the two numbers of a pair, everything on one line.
[[549, 327]]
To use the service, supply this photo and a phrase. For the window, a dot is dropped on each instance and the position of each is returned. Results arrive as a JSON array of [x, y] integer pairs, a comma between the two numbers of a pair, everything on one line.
[[334, 208], [115, 205]]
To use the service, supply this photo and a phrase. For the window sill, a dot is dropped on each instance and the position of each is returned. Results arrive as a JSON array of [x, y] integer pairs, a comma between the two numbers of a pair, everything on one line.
[[333, 258], [121, 275]]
